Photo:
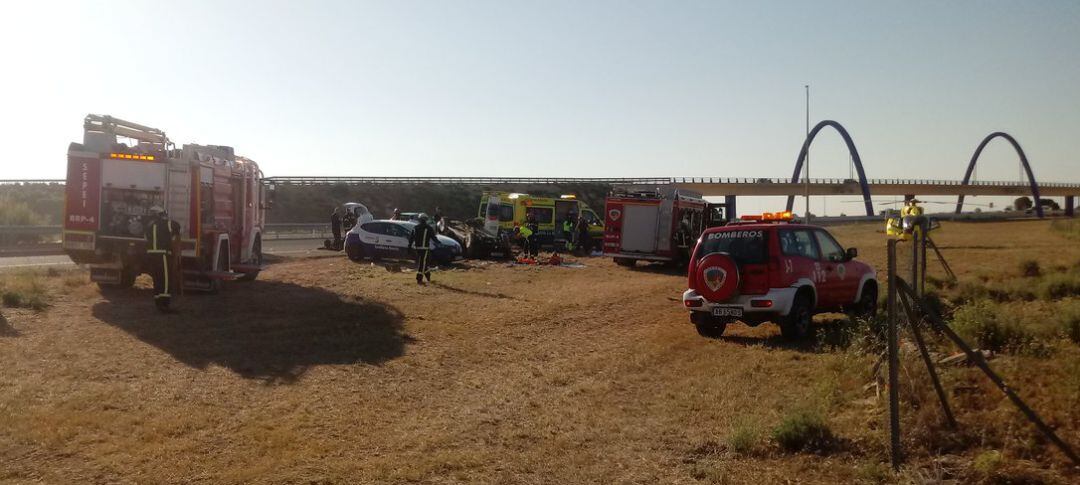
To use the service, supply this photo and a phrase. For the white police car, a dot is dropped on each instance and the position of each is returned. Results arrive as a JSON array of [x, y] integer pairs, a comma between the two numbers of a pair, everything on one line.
[[386, 239]]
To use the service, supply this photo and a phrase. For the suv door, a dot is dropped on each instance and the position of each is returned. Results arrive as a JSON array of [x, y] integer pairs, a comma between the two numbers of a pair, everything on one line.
[[841, 285], [801, 258]]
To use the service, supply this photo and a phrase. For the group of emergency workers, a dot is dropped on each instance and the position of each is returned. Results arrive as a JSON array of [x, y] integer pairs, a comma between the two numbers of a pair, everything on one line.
[[575, 230], [163, 238]]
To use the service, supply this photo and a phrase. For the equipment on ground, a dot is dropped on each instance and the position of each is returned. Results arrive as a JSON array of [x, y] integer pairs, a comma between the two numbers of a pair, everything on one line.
[[123, 170]]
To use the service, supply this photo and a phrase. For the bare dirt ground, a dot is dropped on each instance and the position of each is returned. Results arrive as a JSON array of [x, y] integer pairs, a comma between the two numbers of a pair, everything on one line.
[[326, 371]]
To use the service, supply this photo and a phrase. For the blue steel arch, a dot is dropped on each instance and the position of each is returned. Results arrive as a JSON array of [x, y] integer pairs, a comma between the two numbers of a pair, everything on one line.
[[854, 156], [1023, 161]]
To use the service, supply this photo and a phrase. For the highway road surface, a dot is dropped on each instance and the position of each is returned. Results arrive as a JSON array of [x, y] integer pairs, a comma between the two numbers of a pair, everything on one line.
[[289, 247]]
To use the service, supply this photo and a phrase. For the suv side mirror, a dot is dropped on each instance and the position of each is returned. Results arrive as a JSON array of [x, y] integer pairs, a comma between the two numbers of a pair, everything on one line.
[[852, 253]]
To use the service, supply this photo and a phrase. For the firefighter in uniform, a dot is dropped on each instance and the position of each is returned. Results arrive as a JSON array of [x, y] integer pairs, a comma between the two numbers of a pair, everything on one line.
[[423, 240], [682, 240], [161, 234]]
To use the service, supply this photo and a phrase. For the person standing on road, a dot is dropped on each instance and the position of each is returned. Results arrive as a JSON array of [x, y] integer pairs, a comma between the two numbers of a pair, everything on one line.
[[161, 236], [583, 240], [534, 229], [335, 227], [440, 225], [569, 232], [423, 240], [523, 235]]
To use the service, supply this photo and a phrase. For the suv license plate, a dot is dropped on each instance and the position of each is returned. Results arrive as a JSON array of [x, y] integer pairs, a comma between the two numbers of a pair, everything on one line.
[[722, 311]]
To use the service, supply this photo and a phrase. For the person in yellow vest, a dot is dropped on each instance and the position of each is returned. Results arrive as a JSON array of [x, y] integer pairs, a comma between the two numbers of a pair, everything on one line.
[[524, 236], [569, 233], [161, 237], [423, 240]]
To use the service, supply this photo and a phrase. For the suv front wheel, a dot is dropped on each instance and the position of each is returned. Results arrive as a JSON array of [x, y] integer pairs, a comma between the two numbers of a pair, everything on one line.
[[796, 324], [866, 307]]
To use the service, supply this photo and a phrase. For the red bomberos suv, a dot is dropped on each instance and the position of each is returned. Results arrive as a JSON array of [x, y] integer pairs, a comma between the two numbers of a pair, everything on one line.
[[768, 269]]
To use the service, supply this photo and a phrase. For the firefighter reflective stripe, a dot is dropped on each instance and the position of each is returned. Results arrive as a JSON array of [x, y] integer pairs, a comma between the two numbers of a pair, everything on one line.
[[156, 251], [422, 237], [164, 277], [153, 230], [422, 267]]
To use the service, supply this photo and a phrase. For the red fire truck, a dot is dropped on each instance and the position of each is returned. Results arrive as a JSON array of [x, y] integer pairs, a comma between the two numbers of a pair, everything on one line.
[[122, 169], [641, 224]]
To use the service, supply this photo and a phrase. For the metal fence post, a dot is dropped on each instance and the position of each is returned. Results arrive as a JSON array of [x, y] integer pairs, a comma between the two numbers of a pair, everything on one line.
[[894, 362]]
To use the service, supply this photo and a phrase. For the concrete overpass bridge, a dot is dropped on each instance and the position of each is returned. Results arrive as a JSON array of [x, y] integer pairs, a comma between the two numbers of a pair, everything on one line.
[[731, 188]]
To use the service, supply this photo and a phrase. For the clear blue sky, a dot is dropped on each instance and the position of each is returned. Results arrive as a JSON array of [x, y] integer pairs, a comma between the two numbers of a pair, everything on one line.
[[621, 88]]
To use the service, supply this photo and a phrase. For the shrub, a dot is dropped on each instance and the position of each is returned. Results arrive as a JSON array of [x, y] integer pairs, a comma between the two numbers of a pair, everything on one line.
[[744, 437], [23, 290], [967, 292], [982, 325], [1058, 286], [1069, 322], [987, 463], [803, 430], [1070, 229], [1030, 268], [1013, 290]]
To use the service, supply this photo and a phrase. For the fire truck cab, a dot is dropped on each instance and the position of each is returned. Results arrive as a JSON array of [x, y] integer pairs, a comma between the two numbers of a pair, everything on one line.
[[122, 169], [643, 224]]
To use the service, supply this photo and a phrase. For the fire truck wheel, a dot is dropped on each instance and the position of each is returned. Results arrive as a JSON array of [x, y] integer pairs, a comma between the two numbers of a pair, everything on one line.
[[627, 262], [223, 252], [796, 324], [256, 259]]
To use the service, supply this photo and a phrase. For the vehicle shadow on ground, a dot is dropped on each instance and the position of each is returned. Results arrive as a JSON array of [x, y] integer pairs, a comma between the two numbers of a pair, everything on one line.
[[6, 330], [501, 296], [267, 330], [660, 268], [824, 337]]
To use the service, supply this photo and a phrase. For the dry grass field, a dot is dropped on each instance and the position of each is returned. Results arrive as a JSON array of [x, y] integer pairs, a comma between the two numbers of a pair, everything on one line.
[[325, 371]]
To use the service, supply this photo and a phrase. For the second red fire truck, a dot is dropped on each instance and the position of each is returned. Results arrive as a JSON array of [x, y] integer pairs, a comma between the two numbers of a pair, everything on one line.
[[644, 224], [122, 169]]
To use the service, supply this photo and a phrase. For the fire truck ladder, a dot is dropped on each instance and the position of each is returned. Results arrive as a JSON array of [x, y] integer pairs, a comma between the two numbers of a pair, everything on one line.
[[117, 127]]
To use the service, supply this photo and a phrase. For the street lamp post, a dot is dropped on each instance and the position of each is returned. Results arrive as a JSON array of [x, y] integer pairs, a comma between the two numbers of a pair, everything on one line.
[[807, 177]]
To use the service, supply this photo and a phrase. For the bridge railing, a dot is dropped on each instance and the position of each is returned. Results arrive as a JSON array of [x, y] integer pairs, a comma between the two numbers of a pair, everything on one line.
[[598, 180], [38, 235]]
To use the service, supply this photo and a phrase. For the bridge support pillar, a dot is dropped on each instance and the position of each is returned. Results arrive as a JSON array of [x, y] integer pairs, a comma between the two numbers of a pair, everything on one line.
[[1070, 204], [729, 202]]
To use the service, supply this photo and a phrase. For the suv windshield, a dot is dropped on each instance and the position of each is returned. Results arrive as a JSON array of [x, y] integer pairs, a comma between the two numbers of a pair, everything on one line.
[[744, 246]]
